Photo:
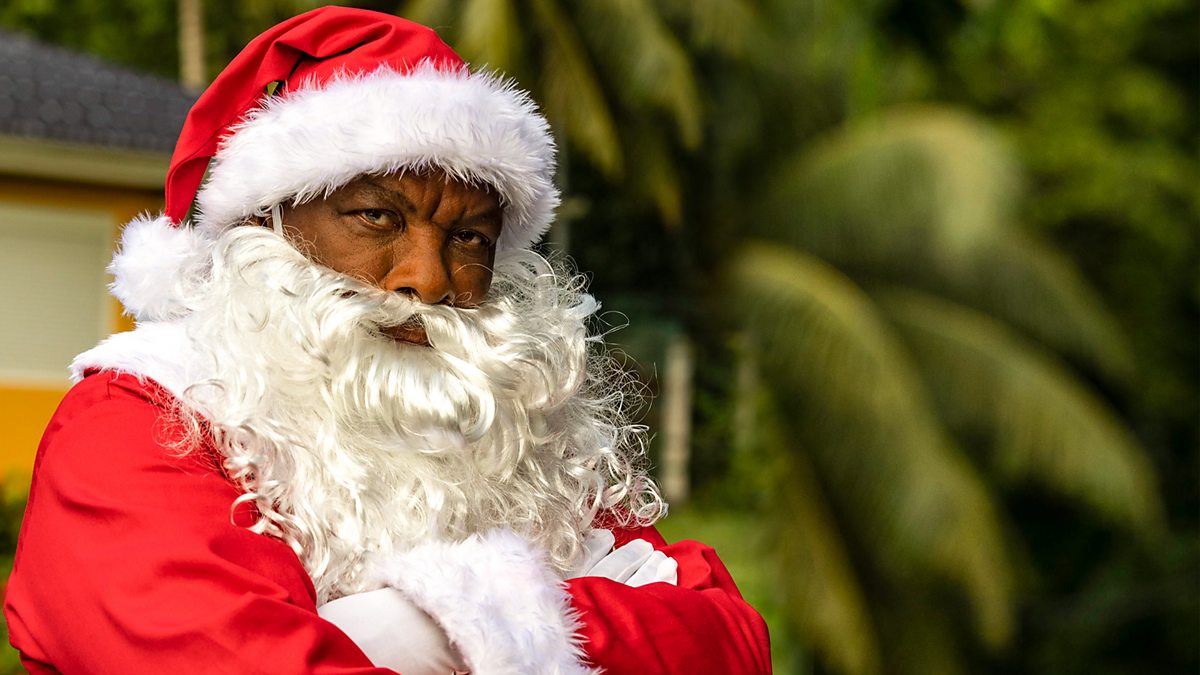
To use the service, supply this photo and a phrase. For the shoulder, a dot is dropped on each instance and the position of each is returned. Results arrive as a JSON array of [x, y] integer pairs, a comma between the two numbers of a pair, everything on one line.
[[109, 398], [109, 426], [113, 387]]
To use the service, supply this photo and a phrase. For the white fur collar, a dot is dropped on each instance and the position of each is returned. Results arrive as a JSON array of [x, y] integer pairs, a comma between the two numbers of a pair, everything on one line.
[[159, 351]]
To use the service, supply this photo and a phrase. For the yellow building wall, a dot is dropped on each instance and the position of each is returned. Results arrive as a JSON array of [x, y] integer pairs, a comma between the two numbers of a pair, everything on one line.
[[25, 409]]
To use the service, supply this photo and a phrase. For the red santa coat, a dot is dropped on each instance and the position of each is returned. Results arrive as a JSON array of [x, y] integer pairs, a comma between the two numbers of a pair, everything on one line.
[[129, 562]]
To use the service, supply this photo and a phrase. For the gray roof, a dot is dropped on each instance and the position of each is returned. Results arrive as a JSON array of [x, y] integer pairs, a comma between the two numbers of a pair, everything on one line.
[[52, 93]]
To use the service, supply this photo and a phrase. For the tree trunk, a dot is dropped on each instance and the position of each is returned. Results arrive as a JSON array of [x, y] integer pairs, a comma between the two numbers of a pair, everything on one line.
[[677, 418], [746, 394], [560, 231], [191, 45]]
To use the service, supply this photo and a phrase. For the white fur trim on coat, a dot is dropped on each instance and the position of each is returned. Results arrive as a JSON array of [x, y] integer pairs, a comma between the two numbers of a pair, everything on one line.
[[160, 351], [153, 258], [498, 602], [306, 143]]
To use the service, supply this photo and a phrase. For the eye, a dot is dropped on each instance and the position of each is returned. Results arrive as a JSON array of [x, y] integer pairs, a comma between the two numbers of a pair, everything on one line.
[[472, 239], [380, 218]]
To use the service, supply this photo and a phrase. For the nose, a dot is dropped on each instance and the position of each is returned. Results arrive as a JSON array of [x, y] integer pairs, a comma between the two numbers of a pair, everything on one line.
[[420, 271]]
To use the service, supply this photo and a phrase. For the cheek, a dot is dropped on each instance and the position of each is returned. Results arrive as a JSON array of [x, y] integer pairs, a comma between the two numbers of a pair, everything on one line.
[[473, 281], [367, 263]]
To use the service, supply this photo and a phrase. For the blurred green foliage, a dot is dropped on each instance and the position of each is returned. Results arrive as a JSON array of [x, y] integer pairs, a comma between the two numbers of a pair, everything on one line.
[[13, 492], [942, 254]]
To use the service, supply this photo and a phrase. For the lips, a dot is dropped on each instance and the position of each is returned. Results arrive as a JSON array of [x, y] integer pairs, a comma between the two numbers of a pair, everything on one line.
[[410, 332]]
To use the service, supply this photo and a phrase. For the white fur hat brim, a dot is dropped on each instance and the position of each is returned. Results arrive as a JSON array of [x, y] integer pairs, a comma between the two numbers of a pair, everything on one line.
[[310, 141]]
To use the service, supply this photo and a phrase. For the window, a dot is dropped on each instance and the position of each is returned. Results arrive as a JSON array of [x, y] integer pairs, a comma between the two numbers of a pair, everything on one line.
[[53, 289]]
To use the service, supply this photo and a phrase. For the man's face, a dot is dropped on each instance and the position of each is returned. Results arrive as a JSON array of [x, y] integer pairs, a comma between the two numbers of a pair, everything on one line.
[[427, 235]]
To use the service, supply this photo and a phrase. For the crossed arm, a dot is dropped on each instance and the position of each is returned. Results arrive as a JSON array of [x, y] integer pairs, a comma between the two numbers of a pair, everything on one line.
[[647, 607]]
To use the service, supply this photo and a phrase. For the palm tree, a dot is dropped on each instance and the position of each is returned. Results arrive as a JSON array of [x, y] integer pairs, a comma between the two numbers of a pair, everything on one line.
[[910, 339]]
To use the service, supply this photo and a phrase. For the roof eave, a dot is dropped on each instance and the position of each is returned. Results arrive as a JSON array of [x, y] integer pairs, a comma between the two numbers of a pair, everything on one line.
[[90, 164]]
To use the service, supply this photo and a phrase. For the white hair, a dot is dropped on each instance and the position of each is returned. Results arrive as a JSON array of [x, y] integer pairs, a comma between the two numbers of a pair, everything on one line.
[[351, 444]]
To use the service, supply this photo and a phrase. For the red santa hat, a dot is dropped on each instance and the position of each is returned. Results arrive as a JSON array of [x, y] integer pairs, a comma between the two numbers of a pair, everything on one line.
[[325, 97]]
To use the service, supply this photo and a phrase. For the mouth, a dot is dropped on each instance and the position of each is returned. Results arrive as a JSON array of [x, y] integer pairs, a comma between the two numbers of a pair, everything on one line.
[[410, 332]]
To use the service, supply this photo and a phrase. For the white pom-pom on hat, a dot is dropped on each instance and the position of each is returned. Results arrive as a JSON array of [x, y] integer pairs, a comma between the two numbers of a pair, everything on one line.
[[154, 256]]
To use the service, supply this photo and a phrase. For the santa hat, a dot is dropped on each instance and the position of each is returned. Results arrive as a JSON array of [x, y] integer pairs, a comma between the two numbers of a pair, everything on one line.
[[318, 100]]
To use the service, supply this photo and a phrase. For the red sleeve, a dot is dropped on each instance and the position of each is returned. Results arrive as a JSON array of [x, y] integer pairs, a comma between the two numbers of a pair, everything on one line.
[[700, 626], [128, 561]]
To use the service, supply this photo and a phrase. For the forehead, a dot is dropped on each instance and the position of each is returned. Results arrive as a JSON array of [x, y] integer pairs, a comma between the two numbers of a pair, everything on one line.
[[418, 181]]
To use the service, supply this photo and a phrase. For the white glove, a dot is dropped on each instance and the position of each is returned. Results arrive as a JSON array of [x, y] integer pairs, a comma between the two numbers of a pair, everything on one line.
[[634, 564], [596, 545], [393, 632]]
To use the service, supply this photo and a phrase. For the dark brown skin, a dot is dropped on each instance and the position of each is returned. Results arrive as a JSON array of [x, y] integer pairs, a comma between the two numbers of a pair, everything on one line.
[[427, 235]]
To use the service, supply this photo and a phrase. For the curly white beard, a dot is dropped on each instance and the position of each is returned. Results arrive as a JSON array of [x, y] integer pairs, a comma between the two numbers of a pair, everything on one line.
[[350, 444]]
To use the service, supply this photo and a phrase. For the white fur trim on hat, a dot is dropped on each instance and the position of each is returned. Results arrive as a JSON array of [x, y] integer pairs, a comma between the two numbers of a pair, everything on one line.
[[308, 142], [154, 257], [497, 601]]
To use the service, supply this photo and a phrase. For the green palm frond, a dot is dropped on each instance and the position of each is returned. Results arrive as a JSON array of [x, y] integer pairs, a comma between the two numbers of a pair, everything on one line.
[[919, 636], [1045, 425], [571, 90], [858, 405], [490, 35], [865, 192], [1020, 279], [726, 26], [653, 171], [820, 589], [645, 60], [924, 196], [435, 13]]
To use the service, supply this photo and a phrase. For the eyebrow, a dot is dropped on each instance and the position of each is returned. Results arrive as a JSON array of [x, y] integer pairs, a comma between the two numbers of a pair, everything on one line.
[[495, 213], [387, 193], [370, 185]]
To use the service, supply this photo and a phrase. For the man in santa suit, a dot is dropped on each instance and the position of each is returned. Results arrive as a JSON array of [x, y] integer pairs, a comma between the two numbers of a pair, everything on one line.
[[360, 426]]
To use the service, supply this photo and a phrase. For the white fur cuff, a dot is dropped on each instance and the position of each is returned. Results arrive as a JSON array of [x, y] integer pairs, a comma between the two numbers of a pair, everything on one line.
[[497, 601]]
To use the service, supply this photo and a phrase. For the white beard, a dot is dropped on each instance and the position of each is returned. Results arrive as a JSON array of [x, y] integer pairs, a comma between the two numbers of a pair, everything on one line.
[[350, 444]]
